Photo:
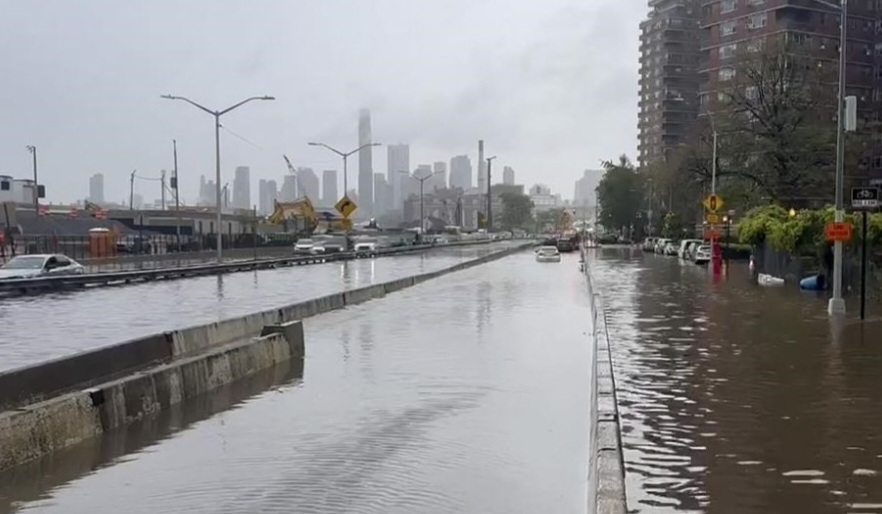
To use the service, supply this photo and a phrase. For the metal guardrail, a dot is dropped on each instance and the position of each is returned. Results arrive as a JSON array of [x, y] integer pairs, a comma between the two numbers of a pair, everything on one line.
[[47, 284]]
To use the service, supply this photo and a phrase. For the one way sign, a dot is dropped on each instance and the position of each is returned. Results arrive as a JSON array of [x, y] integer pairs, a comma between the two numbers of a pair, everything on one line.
[[865, 197]]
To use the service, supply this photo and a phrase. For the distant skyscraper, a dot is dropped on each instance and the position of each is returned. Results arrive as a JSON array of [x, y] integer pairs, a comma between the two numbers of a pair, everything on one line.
[[365, 166], [329, 188], [482, 168], [508, 176], [461, 172], [397, 168], [309, 181], [584, 193], [289, 189], [383, 193], [242, 188], [439, 179], [268, 192], [96, 188]]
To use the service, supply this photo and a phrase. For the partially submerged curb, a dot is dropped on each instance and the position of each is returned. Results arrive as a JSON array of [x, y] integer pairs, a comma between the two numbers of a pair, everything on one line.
[[53, 405], [606, 470]]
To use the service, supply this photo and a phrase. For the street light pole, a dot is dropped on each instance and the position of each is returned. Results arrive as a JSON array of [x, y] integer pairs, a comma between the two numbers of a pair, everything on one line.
[[33, 151], [217, 166], [422, 180], [837, 303], [345, 156], [177, 195]]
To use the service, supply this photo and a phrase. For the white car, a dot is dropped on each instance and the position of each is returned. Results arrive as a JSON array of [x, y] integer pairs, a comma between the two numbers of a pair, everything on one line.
[[547, 254], [40, 265], [685, 247], [303, 246], [366, 247], [702, 254]]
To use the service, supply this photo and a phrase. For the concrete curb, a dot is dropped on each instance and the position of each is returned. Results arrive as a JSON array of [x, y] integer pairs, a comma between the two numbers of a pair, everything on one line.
[[58, 404], [606, 469]]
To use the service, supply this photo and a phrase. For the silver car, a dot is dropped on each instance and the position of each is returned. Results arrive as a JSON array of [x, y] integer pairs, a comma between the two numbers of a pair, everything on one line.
[[39, 265], [547, 254]]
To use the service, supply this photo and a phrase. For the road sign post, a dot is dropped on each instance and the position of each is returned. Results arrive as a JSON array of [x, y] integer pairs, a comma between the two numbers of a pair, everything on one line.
[[864, 199], [713, 204]]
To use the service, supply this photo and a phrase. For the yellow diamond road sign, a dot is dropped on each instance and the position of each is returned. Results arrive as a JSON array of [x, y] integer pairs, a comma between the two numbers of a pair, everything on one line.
[[713, 219], [346, 206], [713, 203]]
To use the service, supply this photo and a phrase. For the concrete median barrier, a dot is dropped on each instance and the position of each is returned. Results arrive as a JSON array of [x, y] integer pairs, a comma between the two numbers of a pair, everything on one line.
[[56, 404], [42, 428], [606, 468]]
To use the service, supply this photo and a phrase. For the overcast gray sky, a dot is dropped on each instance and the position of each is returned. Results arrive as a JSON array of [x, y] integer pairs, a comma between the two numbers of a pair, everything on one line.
[[550, 85]]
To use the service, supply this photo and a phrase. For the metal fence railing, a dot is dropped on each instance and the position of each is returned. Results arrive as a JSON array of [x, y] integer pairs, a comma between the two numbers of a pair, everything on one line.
[[105, 246]]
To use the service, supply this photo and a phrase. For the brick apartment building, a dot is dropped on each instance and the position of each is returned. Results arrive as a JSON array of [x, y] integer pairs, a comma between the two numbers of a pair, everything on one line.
[[730, 28]]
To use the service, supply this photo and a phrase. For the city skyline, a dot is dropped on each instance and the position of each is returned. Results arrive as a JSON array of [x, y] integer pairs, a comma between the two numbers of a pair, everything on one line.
[[531, 104]]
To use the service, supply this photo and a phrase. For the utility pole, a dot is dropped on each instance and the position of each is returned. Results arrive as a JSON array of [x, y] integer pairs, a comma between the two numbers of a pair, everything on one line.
[[132, 191], [489, 195], [480, 173], [162, 186], [33, 150], [176, 187]]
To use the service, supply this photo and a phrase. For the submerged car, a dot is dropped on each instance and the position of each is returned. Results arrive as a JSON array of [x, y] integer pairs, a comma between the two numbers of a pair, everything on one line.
[[365, 247], [702, 254], [547, 254], [39, 265]]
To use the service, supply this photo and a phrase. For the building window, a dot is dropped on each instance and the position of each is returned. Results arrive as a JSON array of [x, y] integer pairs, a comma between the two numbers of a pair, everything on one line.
[[728, 51], [727, 28], [757, 21], [727, 74], [755, 45], [728, 6], [756, 2]]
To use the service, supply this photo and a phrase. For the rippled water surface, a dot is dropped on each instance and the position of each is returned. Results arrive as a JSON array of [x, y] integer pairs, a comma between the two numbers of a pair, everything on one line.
[[38, 328], [464, 394], [737, 398]]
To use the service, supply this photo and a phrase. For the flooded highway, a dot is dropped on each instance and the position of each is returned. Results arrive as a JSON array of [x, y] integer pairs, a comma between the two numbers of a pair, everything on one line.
[[739, 398], [82, 320], [467, 393]]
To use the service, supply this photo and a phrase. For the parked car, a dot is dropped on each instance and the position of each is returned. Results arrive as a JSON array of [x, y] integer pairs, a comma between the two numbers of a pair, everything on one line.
[[336, 245], [685, 244], [660, 244], [649, 244], [565, 245], [40, 265], [134, 244], [547, 254], [671, 249], [702, 254]]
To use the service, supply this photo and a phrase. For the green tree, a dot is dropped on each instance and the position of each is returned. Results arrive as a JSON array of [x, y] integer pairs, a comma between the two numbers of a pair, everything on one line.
[[517, 210], [620, 194], [547, 220]]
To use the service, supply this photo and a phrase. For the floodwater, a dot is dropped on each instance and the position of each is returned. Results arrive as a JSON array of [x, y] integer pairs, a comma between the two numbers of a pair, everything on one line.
[[737, 397], [47, 326], [467, 393]]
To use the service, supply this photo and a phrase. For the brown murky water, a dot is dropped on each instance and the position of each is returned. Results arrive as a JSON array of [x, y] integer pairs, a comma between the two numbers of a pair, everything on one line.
[[740, 398]]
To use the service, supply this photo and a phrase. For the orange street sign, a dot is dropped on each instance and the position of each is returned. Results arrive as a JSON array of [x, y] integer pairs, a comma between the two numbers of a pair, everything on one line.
[[838, 232], [713, 203]]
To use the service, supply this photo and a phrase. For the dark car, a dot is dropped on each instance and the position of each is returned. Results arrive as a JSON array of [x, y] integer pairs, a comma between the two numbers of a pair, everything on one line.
[[565, 246]]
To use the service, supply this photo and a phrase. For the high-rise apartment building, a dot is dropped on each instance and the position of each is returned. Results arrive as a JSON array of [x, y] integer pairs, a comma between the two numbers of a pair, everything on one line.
[[461, 172], [508, 176], [397, 168], [329, 188], [365, 166], [242, 188], [96, 188], [670, 53]]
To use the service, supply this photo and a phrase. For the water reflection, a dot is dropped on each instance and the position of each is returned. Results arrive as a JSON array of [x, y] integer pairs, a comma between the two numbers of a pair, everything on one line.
[[736, 397], [29, 483]]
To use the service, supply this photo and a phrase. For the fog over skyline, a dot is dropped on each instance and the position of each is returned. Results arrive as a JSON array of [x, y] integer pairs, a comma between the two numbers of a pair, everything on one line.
[[551, 86]]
